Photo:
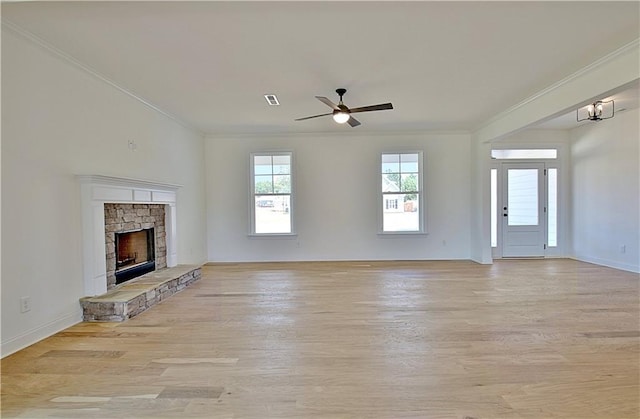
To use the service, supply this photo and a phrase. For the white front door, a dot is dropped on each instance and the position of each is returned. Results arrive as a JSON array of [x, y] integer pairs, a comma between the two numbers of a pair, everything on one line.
[[523, 210]]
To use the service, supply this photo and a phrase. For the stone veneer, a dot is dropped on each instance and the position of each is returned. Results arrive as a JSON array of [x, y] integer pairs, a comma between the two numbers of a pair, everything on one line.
[[131, 298], [127, 217]]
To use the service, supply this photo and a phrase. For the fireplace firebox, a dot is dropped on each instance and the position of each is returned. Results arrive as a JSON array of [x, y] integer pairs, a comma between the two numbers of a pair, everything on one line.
[[135, 253]]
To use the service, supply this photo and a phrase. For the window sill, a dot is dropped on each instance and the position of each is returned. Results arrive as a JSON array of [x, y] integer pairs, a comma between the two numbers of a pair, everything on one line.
[[272, 235], [402, 233]]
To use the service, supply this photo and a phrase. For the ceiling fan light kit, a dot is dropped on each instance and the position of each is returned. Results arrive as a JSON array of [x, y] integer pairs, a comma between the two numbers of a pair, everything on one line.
[[341, 117], [342, 114]]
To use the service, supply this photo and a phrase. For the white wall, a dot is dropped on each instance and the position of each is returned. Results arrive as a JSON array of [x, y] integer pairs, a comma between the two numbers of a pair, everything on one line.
[[337, 181], [606, 191], [480, 206], [59, 121]]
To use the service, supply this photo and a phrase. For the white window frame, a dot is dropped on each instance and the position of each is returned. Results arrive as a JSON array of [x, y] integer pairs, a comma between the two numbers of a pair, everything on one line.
[[252, 194], [421, 196]]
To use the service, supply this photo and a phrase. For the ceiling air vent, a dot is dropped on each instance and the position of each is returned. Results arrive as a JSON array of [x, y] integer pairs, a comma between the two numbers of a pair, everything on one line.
[[272, 100]]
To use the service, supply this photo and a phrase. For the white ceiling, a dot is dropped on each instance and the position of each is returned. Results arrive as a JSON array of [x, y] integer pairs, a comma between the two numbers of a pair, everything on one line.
[[444, 65]]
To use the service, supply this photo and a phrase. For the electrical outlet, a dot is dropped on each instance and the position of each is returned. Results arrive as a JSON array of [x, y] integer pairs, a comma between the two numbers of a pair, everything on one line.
[[25, 304]]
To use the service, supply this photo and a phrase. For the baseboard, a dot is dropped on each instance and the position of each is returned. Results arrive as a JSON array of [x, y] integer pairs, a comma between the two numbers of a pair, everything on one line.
[[240, 261], [609, 263], [37, 334]]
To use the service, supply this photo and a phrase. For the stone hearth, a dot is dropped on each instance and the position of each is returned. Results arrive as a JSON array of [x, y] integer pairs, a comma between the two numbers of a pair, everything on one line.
[[131, 298]]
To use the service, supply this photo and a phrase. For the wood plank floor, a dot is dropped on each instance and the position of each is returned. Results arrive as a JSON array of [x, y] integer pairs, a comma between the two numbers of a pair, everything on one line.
[[518, 339]]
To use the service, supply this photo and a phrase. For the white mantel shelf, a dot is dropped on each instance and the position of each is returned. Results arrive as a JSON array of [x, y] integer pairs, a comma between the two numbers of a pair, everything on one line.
[[97, 190], [126, 182]]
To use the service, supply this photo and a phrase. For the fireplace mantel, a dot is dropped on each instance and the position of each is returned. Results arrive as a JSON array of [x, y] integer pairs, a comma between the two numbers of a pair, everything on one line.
[[97, 190]]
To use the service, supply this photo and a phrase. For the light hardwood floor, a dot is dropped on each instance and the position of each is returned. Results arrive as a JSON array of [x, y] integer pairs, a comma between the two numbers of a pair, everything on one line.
[[518, 339]]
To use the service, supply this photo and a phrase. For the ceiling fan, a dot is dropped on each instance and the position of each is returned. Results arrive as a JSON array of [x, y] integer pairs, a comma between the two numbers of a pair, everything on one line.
[[341, 113]]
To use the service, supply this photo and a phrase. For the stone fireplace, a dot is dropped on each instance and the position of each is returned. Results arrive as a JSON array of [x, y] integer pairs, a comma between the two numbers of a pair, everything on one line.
[[135, 240], [143, 211]]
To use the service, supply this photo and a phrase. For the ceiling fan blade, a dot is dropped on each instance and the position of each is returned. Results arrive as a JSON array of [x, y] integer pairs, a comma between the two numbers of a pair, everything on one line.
[[314, 116], [353, 122], [327, 102], [380, 107]]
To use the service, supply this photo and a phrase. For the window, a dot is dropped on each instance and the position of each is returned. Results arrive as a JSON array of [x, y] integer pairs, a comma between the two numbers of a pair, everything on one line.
[[271, 193], [552, 202], [401, 184], [494, 207], [541, 153]]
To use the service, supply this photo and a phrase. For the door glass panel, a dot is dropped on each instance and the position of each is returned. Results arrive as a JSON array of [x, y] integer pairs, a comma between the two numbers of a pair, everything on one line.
[[552, 217], [522, 197]]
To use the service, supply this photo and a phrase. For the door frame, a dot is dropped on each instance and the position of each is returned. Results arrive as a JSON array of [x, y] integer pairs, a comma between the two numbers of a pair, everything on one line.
[[563, 184], [540, 229]]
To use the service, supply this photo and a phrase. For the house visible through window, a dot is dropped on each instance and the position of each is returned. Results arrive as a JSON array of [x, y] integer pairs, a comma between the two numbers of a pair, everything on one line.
[[401, 192], [271, 193]]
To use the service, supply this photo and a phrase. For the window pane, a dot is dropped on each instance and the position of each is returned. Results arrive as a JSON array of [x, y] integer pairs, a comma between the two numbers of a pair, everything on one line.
[[262, 165], [400, 212], [281, 169], [391, 182], [281, 165], [494, 207], [263, 184], [262, 160], [522, 197], [282, 184], [282, 160], [409, 183], [550, 153], [262, 169], [390, 163], [409, 163], [410, 167], [272, 214], [552, 233]]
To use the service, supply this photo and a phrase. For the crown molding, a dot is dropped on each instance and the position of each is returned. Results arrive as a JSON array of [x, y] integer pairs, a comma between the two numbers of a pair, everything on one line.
[[344, 134], [34, 39]]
